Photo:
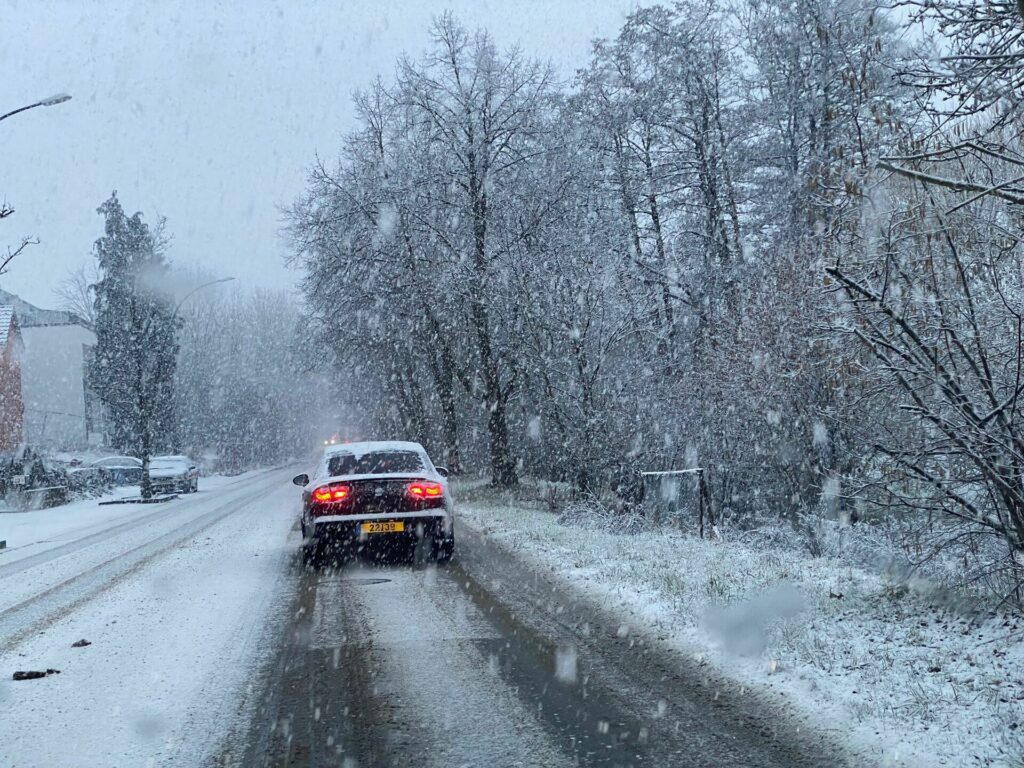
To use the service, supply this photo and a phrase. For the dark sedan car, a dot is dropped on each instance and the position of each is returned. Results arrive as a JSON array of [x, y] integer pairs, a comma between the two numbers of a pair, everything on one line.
[[377, 493]]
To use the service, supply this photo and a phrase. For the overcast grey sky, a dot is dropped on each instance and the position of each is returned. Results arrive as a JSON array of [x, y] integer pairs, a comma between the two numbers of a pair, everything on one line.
[[209, 113]]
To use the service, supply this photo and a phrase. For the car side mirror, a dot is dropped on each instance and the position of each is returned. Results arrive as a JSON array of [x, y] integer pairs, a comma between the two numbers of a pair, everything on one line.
[[442, 471], [301, 479]]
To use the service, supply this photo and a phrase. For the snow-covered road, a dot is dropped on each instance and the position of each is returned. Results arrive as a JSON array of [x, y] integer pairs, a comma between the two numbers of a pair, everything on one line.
[[391, 667], [173, 599], [487, 663], [211, 645]]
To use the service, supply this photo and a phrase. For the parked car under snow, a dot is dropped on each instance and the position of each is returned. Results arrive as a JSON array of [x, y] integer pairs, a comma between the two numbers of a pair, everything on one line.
[[119, 470], [173, 474]]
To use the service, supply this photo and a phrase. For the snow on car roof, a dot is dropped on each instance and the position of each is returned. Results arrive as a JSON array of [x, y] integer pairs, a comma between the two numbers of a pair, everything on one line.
[[127, 459], [164, 460], [360, 449]]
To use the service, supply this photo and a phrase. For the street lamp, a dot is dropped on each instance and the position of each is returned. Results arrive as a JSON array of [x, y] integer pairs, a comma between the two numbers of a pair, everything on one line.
[[59, 98], [196, 290]]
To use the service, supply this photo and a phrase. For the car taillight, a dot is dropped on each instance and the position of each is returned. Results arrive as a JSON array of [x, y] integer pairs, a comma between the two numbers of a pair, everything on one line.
[[332, 493], [424, 489]]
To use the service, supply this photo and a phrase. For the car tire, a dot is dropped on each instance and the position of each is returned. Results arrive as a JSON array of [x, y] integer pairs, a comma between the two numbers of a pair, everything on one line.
[[312, 554], [444, 549]]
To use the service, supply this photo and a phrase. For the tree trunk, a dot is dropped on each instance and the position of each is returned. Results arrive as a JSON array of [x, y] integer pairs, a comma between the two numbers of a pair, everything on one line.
[[666, 341], [503, 468], [449, 419], [146, 487]]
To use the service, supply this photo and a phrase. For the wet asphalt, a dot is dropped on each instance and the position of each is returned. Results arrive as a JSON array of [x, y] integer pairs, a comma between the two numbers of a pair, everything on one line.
[[487, 663]]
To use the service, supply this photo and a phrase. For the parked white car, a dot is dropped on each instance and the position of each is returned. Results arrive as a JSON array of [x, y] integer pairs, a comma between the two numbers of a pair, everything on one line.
[[173, 474]]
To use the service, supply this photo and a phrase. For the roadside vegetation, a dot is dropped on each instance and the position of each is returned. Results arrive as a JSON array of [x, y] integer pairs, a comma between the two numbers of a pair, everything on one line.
[[898, 662], [778, 242]]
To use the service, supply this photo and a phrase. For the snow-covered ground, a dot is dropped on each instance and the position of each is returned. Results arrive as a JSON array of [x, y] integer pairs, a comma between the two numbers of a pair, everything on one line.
[[172, 598], [178, 602], [906, 680], [30, 533]]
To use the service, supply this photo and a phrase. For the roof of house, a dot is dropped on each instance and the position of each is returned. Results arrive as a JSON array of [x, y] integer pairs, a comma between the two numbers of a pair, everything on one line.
[[31, 316], [6, 319]]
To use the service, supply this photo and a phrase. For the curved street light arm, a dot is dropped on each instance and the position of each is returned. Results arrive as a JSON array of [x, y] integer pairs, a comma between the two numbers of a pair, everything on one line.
[[59, 98]]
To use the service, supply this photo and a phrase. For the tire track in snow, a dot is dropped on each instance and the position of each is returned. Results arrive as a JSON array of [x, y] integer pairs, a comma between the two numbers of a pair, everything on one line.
[[692, 718], [104, 533], [38, 611]]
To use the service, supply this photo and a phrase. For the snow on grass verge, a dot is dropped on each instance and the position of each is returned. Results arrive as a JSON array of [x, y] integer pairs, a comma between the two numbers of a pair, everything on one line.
[[909, 679]]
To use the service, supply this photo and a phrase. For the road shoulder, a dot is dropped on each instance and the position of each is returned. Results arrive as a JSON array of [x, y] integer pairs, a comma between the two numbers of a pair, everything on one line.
[[668, 690], [870, 669]]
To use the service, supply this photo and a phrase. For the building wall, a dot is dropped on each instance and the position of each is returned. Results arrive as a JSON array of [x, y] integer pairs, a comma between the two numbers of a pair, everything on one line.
[[53, 385], [11, 406]]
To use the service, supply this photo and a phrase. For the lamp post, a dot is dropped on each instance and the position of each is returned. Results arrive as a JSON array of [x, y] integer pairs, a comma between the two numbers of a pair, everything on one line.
[[6, 210], [59, 98], [196, 290]]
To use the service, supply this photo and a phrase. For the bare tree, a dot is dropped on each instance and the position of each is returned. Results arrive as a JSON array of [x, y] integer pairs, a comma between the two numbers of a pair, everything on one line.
[[483, 113], [13, 251], [939, 309], [77, 294], [972, 90]]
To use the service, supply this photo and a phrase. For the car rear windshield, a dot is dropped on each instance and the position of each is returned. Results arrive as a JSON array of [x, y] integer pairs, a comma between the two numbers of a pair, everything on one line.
[[167, 464], [118, 463], [375, 463]]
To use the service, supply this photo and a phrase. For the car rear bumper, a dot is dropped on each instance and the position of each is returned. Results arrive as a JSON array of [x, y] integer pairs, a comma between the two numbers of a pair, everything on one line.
[[348, 528], [166, 485]]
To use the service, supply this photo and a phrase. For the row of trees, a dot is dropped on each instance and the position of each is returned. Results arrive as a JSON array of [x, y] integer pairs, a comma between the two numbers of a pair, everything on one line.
[[770, 239], [245, 394], [181, 369], [628, 268]]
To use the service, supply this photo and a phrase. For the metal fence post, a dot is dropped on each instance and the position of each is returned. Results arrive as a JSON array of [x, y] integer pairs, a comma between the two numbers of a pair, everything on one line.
[[674, 476]]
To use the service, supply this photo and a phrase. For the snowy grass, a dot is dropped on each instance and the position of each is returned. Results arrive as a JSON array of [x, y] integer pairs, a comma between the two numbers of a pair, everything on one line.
[[905, 673], [591, 513]]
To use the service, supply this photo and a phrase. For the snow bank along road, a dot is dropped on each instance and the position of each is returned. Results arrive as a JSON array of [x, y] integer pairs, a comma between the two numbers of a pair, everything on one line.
[[212, 645]]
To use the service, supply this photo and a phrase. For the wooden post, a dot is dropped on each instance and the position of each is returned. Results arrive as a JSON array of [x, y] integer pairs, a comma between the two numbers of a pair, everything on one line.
[[700, 501], [706, 499]]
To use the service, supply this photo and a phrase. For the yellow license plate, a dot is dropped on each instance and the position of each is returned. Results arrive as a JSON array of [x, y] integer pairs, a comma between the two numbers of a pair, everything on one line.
[[388, 527]]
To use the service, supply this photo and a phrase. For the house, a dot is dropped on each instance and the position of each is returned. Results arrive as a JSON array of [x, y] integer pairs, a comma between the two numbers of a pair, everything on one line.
[[59, 411], [11, 406]]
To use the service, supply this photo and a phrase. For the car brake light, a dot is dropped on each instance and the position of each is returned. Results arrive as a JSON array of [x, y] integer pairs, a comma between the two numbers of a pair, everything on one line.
[[332, 493], [424, 489]]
